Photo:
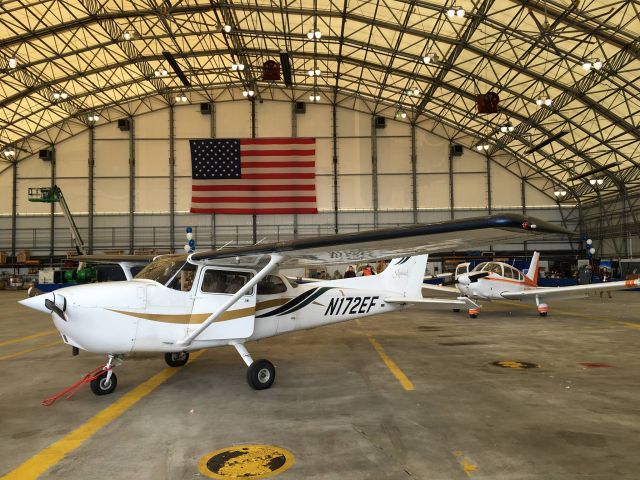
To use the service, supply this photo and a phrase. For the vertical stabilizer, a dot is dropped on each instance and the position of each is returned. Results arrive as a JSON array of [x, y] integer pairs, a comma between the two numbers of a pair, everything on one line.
[[405, 275], [532, 272]]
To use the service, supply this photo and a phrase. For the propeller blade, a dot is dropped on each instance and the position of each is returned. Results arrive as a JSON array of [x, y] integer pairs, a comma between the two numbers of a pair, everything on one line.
[[55, 309]]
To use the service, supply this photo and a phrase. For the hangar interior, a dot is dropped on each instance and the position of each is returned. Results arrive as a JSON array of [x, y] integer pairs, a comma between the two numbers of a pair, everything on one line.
[[422, 112]]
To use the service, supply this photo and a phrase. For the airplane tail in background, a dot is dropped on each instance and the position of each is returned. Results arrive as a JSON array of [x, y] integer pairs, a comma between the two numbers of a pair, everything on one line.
[[532, 272], [405, 275]]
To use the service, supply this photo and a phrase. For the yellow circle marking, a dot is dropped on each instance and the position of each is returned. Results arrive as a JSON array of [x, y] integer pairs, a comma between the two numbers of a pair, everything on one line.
[[246, 462], [510, 364]]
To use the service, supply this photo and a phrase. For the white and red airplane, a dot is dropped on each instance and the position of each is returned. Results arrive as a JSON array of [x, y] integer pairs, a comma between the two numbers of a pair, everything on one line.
[[501, 281], [228, 297]]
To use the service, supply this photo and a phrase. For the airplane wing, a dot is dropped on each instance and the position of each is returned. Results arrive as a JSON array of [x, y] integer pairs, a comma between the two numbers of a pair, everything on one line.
[[372, 245], [574, 291], [441, 288], [460, 302]]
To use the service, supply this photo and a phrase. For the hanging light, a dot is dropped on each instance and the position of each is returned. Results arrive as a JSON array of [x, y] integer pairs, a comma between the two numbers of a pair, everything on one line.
[[314, 72], [181, 98], [93, 117], [248, 93], [227, 28], [460, 12], [597, 64], [589, 64], [482, 146], [314, 97], [401, 114], [314, 34], [57, 96], [126, 35], [9, 152], [540, 101], [237, 66], [13, 63], [455, 11], [596, 182], [560, 193], [161, 72], [507, 127], [451, 12]]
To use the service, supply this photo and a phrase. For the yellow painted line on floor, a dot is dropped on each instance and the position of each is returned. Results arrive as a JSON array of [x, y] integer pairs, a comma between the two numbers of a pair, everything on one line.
[[44, 333], [467, 465], [54, 453], [29, 350], [391, 365]]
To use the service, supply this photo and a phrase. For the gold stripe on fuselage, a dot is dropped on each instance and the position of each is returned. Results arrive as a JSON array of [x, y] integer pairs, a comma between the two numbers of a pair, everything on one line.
[[190, 317], [201, 317]]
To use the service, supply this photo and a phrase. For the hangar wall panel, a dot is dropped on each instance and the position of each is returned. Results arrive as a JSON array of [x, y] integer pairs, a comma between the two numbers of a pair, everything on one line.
[[355, 192], [152, 158], [354, 156], [433, 191], [190, 123], [316, 122], [111, 195], [152, 125], [470, 191], [273, 119], [394, 192], [72, 157], [505, 191], [432, 153], [353, 124], [324, 156], [233, 119], [152, 195], [112, 158], [394, 154]]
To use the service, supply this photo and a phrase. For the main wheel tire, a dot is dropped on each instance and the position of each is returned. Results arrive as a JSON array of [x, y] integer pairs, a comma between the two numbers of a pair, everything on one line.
[[473, 315], [99, 386], [543, 314], [456, 310], [261, 374], [176, 359]]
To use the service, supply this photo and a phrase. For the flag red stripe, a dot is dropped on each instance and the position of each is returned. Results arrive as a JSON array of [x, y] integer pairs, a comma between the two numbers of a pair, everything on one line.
[[257, 211], [277, 153], [252, 176], [277, 164], [251, 188], [252, 199], [277, 141]]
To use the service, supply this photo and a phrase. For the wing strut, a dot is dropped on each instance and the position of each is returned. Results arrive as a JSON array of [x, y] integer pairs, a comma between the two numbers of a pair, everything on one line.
[[268, 268]]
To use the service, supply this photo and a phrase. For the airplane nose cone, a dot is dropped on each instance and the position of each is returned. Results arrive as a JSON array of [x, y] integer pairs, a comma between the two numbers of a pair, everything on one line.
[[37, 302], [464, 279]]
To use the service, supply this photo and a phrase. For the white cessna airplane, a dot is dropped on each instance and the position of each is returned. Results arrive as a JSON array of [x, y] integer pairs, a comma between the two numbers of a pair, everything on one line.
[[501, 281], [181, 303]]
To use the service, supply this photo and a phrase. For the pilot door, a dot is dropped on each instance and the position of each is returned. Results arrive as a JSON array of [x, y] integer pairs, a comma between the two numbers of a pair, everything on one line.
[[215, 287]]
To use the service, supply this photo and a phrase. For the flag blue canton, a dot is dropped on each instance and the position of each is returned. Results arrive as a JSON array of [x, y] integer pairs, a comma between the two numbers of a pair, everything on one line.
[[215, 159]]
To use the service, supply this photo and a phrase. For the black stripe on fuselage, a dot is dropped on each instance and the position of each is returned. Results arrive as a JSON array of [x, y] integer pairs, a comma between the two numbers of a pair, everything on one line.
[[290, 304]]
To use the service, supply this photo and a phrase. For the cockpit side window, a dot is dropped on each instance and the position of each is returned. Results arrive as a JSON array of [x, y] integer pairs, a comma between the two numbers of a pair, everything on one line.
[[493, 267], [183, 280], [223, 281], [270, 285]]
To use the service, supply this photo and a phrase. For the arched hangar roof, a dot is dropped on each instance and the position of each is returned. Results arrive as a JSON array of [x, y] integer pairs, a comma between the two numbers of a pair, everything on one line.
[[103, 56]]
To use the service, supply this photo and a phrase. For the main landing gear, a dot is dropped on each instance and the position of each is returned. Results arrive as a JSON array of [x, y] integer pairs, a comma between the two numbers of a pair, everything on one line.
[[261, 373], [176, 359], [105, 383], [474, 312]]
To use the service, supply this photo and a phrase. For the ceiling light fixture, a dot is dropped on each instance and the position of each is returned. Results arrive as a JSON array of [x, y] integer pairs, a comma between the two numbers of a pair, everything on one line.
[[13, 63], [589, 64], [314, 97], [314, 34], [161, 72], [401, 114], [484, 145], [455, 12], [9, 152], [181, 98], [248, 93], [560, 193], [314, 73], [126, 36], [237, 66], [227, 28], [507, 128], [429, 58], [540, 101], [596, 182], [93, 117]]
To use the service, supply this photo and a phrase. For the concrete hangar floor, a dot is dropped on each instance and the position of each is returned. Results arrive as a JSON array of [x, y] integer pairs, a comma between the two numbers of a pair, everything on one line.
[[412, 395]]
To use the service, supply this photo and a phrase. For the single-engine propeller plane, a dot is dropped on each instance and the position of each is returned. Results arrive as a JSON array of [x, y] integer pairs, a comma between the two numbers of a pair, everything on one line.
[[501, 281], [228, 297]]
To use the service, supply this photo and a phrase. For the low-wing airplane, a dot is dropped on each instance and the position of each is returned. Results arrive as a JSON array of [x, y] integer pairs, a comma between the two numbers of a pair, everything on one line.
[[501, 281], [181, 303]]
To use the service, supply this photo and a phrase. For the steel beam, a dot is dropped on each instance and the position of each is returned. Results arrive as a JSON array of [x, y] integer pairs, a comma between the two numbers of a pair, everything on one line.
[[254, 217], [132, 183], [414, 174], [14, 209], [334, 144], [91, 163], [172, 177], [452, 199], [52, 233], [374, 170]]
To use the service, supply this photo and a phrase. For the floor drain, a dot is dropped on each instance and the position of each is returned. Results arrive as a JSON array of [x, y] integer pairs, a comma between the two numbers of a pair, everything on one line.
[[514, 364], [246, 462]]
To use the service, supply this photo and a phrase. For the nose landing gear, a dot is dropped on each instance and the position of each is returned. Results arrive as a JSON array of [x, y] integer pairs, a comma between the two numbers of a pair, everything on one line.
[[105, 382]]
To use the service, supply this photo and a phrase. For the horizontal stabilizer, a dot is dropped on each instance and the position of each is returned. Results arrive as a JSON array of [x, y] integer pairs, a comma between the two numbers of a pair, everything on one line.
[[460, 302], [574, 291]]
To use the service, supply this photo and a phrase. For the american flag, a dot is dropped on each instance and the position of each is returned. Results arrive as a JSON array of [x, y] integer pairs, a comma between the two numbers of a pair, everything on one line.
[[253, 176]]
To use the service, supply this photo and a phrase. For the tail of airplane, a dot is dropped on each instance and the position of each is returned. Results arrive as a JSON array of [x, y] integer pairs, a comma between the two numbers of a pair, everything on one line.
[[532, 272], [403, 276]]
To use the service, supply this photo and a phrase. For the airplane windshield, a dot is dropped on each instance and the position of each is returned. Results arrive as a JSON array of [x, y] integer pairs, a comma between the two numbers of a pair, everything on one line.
[[480, 266], [493, 267], [162, 270]]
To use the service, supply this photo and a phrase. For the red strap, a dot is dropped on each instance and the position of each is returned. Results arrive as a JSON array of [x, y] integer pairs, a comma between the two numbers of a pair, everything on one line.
[[90, 376]]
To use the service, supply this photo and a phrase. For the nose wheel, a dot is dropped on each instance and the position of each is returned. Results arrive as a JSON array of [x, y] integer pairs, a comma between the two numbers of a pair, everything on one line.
[[103, 385]]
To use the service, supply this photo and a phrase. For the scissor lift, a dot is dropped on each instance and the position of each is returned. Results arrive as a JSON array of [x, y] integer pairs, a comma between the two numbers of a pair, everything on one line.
[[54, 195]]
